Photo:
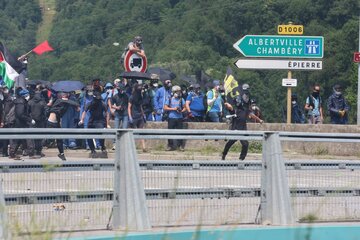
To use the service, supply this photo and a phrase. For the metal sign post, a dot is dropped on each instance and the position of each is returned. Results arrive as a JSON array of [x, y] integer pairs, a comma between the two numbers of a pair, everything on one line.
[[288, 115]]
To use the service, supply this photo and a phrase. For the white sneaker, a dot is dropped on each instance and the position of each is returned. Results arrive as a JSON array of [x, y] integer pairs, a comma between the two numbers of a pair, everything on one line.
[[113, 148]]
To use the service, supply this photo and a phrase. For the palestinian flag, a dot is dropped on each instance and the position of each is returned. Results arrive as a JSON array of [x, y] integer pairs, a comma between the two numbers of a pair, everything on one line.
[[10, 67], [231, 86]]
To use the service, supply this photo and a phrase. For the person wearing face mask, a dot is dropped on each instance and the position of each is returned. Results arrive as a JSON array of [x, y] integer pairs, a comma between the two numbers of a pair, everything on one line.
[[68, 121], [241, 112], [37, 106], [96, 84], [119, 103], [136, 112], [108, 92], [86, 100], [337, 106], [297, 116], [175, 106], [106, 97], [98, 119], [161, 96], [153, 87], [195, 105], [148, 104], [136, 46], [256, 111], [314, 106], [214, 103], [22, 120], [8, 117]]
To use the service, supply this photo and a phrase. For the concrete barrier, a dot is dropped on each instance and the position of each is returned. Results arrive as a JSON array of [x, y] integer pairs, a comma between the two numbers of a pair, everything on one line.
[[338, 149]]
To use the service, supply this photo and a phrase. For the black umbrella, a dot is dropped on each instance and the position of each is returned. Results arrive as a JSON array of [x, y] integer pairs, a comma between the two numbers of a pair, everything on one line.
[[164, 74], [67, 86], [139, 75], [188, 79], [39, 82]]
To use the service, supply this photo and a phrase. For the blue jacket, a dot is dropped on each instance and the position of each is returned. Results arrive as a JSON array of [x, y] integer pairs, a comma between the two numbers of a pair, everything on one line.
[[160, 98], [334, 104]]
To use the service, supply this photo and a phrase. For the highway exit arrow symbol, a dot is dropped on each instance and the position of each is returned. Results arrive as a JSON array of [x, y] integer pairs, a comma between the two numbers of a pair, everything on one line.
[[281, 46]]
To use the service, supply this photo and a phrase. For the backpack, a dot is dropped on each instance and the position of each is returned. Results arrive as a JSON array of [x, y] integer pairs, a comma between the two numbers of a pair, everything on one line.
[[206, 106], [10, 117], [311, 101]]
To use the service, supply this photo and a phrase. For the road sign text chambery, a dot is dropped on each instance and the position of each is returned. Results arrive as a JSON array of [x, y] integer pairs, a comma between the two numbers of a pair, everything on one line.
[[276, 46], [281, 46]]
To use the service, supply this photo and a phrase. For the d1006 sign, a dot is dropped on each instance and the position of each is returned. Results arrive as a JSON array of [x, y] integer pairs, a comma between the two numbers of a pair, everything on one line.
[[291, 29]]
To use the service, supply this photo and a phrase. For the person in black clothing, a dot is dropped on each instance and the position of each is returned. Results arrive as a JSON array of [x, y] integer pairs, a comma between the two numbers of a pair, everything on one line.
[[22, 120], [148, 104], [56, 111], [6, 104], [96, 83], [135, 110], [297, 116], [119, 103], [38, 107], [98, 117], [242, 112]]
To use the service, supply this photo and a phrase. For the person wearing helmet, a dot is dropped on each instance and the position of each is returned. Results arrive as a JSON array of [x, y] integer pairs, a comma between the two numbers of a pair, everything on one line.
[[136, 46], [22, 120], [256, 110], [195, 104], [175, 106]]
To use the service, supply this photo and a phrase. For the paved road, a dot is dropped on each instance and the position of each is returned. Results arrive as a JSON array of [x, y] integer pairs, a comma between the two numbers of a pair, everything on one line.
[[95, 215]]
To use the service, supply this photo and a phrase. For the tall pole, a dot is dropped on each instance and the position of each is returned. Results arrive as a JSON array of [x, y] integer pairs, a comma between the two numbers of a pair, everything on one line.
[[288, 115], [358, 92]]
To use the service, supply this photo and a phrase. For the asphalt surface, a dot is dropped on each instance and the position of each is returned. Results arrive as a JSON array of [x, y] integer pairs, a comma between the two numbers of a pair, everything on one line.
[[73, 217]]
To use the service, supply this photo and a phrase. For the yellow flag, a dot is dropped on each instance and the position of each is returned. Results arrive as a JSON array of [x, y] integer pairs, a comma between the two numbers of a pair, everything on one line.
[[231, 86]]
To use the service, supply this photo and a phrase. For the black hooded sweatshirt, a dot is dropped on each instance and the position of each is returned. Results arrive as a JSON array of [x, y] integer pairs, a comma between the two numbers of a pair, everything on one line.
[[8, 104], [22, 113], [60, 106], [37, 108]]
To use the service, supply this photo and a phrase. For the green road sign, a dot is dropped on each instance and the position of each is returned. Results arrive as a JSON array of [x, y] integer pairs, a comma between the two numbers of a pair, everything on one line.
[[281, 46]]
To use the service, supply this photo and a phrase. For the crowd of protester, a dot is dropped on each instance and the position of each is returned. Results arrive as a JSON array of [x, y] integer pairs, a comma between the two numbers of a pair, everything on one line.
[[128, 103]]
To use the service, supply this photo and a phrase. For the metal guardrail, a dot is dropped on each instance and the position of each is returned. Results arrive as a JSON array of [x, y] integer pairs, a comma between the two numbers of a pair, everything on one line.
[[177, 165], [63, 133], [179, 193], [168, 194]]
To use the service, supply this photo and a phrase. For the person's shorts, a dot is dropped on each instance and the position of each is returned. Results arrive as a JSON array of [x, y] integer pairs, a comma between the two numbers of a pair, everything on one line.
[[138, 123]]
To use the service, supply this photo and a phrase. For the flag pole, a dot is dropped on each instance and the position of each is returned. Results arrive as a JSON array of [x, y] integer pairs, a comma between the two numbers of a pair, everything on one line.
[[23, 56]]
